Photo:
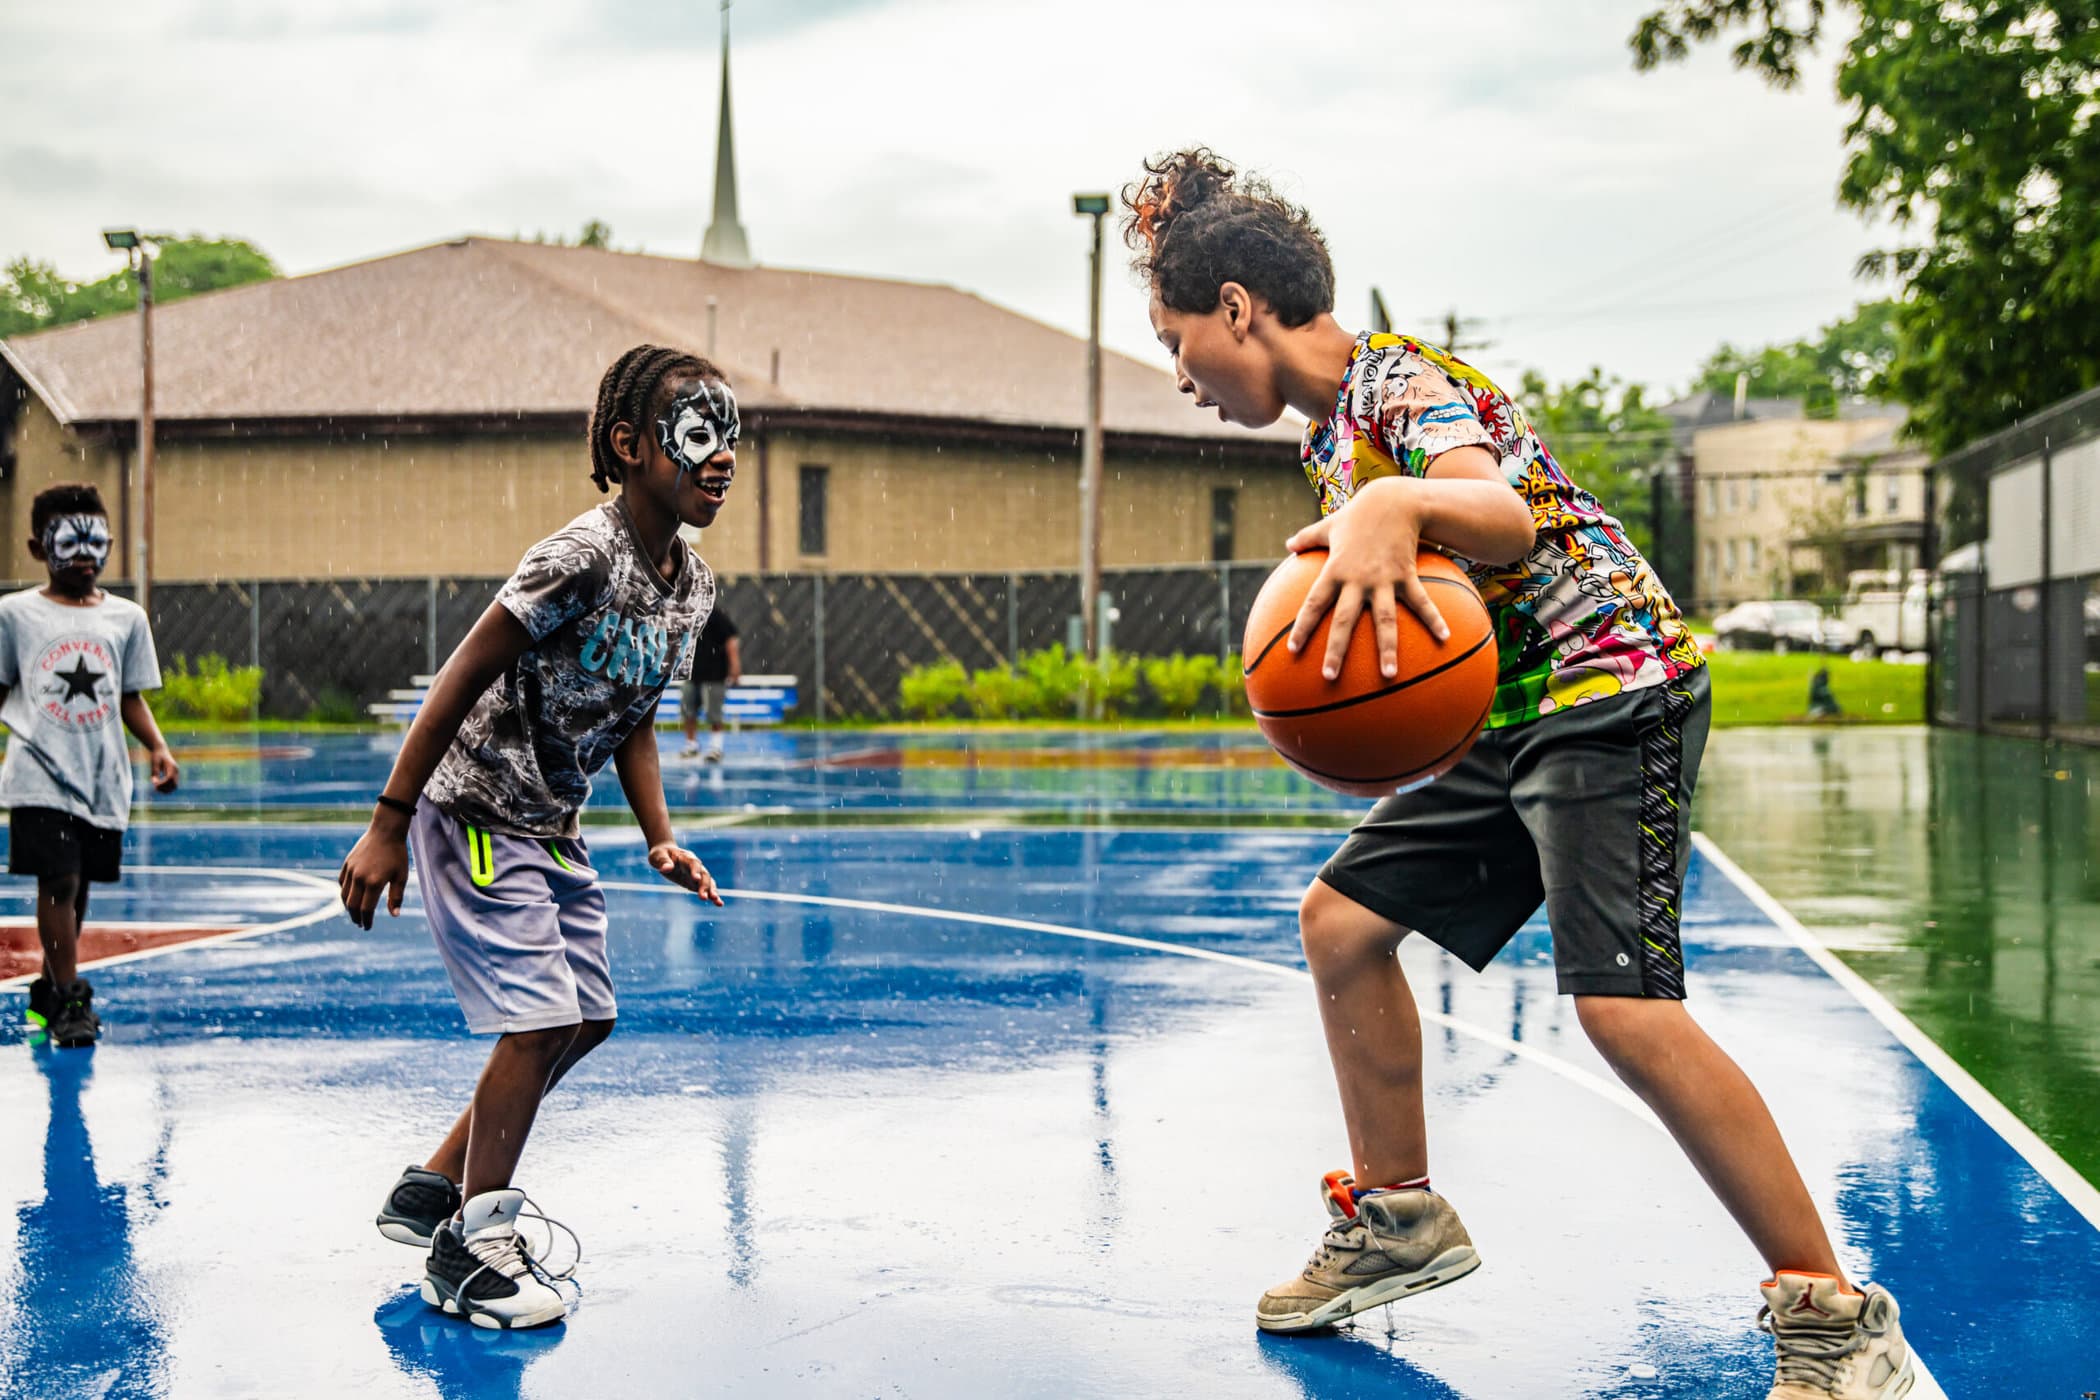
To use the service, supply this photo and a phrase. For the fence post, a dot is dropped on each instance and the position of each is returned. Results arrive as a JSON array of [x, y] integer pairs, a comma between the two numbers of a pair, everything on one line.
[[1224, 611], [1013, 620], [818, 628], [430, 630], [255, 640]]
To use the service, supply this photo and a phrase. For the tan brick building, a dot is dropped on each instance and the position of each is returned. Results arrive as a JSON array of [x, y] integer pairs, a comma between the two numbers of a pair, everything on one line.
[[423, 414]]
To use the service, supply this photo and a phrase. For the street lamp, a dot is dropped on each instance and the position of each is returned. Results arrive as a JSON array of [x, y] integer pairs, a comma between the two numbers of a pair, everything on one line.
[[138, 250], [1095, 207]]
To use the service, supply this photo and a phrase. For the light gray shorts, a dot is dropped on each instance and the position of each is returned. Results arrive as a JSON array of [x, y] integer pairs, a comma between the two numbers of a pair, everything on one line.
[[703, 699], [519, 923]]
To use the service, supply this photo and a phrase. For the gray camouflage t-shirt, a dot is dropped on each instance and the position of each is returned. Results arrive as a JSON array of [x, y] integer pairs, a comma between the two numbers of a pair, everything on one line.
[[66, 670], [609, 634]]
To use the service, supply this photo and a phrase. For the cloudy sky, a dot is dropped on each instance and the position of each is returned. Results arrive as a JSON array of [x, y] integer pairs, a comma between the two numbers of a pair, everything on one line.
[[1499, 157]]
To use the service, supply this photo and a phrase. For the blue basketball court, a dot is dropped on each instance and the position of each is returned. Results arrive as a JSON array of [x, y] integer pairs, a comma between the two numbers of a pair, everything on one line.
[[997, 1076]]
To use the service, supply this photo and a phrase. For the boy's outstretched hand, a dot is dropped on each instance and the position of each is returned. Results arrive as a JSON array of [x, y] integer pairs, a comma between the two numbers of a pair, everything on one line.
[[681, 867], [166, 771], [377, 863]]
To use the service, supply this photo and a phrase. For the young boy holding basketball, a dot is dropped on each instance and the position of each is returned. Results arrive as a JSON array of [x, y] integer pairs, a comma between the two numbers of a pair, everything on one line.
[[563, 672], [1577, 795]]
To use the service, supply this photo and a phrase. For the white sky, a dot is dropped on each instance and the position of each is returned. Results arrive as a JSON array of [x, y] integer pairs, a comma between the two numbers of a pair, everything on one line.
[[1497, 156]]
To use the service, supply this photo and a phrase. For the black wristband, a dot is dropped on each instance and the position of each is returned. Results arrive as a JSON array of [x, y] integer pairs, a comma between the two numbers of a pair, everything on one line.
[[395, 804]]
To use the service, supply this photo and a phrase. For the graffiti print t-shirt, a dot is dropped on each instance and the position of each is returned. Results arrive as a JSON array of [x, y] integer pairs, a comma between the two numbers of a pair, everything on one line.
[[1580, 618], [67, 671], [609, 633]]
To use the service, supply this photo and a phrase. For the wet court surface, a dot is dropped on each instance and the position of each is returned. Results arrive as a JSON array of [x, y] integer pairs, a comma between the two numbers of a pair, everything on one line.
[[958, 1111]]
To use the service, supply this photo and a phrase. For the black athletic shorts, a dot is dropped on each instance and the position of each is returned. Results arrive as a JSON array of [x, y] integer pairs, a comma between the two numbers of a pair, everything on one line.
[[44, 841], [1587, 810]]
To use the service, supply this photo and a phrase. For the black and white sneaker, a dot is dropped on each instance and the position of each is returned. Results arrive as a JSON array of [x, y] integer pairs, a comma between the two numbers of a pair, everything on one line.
[[479, 1268], [421, 1201], [76, 1026], [43, 1003]]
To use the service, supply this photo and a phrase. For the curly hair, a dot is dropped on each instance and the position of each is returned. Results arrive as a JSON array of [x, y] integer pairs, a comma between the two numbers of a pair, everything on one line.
[[66, 498], [1195, 223], [634, 390]]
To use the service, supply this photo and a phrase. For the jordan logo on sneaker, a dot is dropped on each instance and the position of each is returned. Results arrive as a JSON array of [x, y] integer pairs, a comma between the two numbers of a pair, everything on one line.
[[1807, 1304]]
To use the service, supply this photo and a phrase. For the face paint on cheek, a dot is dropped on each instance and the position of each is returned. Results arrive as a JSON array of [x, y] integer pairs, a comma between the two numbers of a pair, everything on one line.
[[73, 540], [698, 425]]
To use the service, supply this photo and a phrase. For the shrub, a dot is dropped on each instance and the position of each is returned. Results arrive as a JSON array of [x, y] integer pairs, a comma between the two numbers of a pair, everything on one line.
[[335, 705], [1179, 681], [1057, 678], [1109, 683], [929, 692], [209, 689], [1000, 694], [1232, 687]]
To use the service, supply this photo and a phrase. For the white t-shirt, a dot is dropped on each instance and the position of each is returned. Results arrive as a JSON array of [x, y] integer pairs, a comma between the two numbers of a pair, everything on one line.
[[65, 669]]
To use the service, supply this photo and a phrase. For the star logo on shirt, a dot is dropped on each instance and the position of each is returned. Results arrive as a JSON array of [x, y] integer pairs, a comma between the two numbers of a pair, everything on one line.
[[80, 681]]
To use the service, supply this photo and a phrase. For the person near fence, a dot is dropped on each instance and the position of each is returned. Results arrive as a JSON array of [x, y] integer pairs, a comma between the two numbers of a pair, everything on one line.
[[1578, 794], [75, 664], [563, 672], [717, 665]]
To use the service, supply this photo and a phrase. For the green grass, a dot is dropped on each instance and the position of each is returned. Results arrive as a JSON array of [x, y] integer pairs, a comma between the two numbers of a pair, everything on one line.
[[1755, 688]]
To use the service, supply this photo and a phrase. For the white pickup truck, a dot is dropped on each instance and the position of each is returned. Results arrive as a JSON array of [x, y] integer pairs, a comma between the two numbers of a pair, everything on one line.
[[1886, 610]]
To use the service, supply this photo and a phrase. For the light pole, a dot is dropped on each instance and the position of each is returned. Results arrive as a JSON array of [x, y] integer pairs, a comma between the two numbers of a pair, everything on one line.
[[138, 251], [1094, 206]]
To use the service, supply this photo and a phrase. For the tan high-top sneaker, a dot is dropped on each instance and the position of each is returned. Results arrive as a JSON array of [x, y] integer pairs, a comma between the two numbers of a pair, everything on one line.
[[1835, 1345], [1376, 1250]]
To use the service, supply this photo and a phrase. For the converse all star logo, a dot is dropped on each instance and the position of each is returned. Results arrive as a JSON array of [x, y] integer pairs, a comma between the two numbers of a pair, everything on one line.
[[75, 683]]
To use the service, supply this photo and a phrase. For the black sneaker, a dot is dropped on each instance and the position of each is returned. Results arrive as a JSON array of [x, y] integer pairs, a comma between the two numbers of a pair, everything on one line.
[[478, 1269], [43, 1003], [76, 1025], [421, 1201]]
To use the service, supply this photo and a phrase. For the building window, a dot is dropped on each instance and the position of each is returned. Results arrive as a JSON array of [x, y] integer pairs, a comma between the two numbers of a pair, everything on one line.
[[1731, 496], [1752, 546], [1224, 512], [1859, 497], [816, 483], [1731, 558], [1753, 493], [1713, 561], [1713, 496], [1892, 494]]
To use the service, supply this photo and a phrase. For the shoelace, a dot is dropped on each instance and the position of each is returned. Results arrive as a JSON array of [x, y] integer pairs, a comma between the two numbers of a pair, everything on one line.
[[514, 1257], [1816, 1355], [1342, 1237]]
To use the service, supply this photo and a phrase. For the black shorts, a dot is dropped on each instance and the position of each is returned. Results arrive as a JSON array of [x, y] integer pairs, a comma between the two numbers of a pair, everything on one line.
[[1588, 810], [44, 841]]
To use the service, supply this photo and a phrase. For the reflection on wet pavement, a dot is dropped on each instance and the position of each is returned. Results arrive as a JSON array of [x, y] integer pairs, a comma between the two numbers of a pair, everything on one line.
[[1958, 873]]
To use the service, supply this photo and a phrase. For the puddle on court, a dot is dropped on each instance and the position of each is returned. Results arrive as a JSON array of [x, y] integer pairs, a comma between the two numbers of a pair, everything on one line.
[[1958, 873]]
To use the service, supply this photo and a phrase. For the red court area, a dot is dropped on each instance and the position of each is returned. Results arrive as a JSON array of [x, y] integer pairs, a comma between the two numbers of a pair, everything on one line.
[[22, 956]]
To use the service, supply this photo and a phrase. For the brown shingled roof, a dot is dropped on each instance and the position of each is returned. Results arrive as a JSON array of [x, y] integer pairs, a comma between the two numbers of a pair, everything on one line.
[[480, 328]]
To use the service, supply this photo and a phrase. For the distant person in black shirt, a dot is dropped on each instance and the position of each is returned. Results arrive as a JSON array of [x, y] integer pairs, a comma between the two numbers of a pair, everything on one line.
[[716, 667]]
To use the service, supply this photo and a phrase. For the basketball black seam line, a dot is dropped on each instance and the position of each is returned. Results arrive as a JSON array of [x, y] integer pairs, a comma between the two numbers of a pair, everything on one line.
[[1471, 735], [1247, 668], [1392, 689]]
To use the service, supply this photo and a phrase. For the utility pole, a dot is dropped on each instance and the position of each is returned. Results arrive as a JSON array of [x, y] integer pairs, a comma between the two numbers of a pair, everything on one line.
[[138, 251], [1094, 206], [1457, 335], [1381, 319]]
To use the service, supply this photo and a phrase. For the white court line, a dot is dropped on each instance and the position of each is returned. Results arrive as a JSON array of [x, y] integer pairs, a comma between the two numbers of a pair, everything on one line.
[[328, 909], [2052, 1168], [1574, 1074]]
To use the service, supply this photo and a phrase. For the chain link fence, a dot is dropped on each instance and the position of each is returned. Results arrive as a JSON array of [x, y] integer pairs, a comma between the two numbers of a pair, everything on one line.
[[327, 648]]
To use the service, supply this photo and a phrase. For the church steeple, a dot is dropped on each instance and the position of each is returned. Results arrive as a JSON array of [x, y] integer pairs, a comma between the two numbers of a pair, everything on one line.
[[725, 242]]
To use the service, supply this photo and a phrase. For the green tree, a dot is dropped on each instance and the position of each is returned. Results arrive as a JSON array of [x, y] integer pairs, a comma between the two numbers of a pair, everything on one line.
[[34, 297], [1605, 436], [1974, 128], [596, 234], [1847, 359]]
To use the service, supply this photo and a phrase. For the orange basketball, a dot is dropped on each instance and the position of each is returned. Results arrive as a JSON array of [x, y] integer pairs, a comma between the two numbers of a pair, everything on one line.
[[1362, 734]]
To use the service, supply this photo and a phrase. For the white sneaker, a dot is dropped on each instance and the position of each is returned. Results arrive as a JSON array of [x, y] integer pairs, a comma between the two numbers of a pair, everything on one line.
[[1835, 1345], [690, 751], [480, 1270]]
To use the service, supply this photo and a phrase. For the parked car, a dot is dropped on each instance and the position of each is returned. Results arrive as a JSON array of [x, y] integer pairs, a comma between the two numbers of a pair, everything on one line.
[[1782, 624], [1886, 611]]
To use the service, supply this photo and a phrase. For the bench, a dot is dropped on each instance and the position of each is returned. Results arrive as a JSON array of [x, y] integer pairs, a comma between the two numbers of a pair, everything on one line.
[[756, 700]]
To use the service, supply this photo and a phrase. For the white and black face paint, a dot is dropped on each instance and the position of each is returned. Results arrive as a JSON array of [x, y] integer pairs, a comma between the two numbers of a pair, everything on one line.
[[73, 540], [698, 425]]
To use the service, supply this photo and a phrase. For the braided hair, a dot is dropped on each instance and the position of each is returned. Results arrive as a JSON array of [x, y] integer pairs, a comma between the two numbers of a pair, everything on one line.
[[631, 393], [1195, 224]]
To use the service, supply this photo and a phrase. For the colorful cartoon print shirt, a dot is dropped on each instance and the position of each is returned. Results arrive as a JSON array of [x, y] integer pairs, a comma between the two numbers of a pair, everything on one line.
[[1582, 617], [609, 633]]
